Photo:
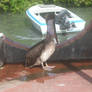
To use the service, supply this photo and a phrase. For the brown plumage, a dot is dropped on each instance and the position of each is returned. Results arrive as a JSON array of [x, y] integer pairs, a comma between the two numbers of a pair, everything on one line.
[[33, 53], [41, 52]]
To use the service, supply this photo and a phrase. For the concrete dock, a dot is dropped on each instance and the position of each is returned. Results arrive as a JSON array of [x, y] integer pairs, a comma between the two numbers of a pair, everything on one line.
[[68, 76]]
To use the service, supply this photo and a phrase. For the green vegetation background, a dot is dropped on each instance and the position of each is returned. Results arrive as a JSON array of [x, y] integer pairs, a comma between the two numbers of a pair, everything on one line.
[[19, 6]]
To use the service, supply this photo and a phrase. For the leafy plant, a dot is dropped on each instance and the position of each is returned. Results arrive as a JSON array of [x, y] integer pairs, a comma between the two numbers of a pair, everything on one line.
[[4, 5], [21, 5]]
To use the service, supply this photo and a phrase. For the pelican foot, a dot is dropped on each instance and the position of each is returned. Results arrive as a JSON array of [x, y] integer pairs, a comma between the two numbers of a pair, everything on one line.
[[48, 68], [31, 66], [51, 66]]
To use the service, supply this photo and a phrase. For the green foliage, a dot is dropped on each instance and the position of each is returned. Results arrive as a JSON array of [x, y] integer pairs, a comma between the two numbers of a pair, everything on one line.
[[21, 5], [4, 5], [17, 5], [76, 3], [34, 2], [83, 2]]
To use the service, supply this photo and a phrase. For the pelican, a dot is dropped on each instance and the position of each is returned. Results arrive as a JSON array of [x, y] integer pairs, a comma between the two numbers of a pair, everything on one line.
[[41, 52]]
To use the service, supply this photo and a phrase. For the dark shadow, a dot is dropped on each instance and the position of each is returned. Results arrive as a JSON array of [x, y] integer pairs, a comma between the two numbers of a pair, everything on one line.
[[78, 71]]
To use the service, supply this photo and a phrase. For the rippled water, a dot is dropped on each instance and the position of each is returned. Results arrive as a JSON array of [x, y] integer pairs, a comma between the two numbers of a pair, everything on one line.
[[19, 28]]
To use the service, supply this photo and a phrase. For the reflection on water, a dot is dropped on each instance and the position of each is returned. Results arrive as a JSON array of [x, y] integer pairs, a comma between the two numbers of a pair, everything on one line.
[[67, 36], [19, 28]]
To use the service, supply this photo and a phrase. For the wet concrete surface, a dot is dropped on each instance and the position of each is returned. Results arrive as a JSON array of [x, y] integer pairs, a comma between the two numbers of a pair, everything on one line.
[[77, 73]]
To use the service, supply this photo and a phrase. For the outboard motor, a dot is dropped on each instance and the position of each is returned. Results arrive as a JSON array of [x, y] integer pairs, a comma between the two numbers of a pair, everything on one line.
[[62, 19]]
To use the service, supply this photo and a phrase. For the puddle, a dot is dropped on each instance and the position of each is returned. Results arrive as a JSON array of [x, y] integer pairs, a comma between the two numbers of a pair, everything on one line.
[[19, 72]]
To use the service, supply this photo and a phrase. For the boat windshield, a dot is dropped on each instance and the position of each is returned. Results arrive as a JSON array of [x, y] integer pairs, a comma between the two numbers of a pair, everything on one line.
[[44, 15]]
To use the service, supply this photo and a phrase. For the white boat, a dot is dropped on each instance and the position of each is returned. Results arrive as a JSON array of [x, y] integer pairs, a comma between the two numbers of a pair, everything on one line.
[[65, 20]]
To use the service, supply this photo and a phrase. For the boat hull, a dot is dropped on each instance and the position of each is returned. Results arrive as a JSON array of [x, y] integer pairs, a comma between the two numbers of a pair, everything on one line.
[[39, 21]]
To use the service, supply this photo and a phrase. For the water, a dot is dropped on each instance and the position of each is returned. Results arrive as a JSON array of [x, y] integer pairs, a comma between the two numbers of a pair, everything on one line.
[[19, 28], [84, 13]]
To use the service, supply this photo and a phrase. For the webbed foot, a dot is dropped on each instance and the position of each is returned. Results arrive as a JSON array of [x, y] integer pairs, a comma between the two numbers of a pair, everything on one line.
[[46, 67], [31, 66], [49, 66]]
